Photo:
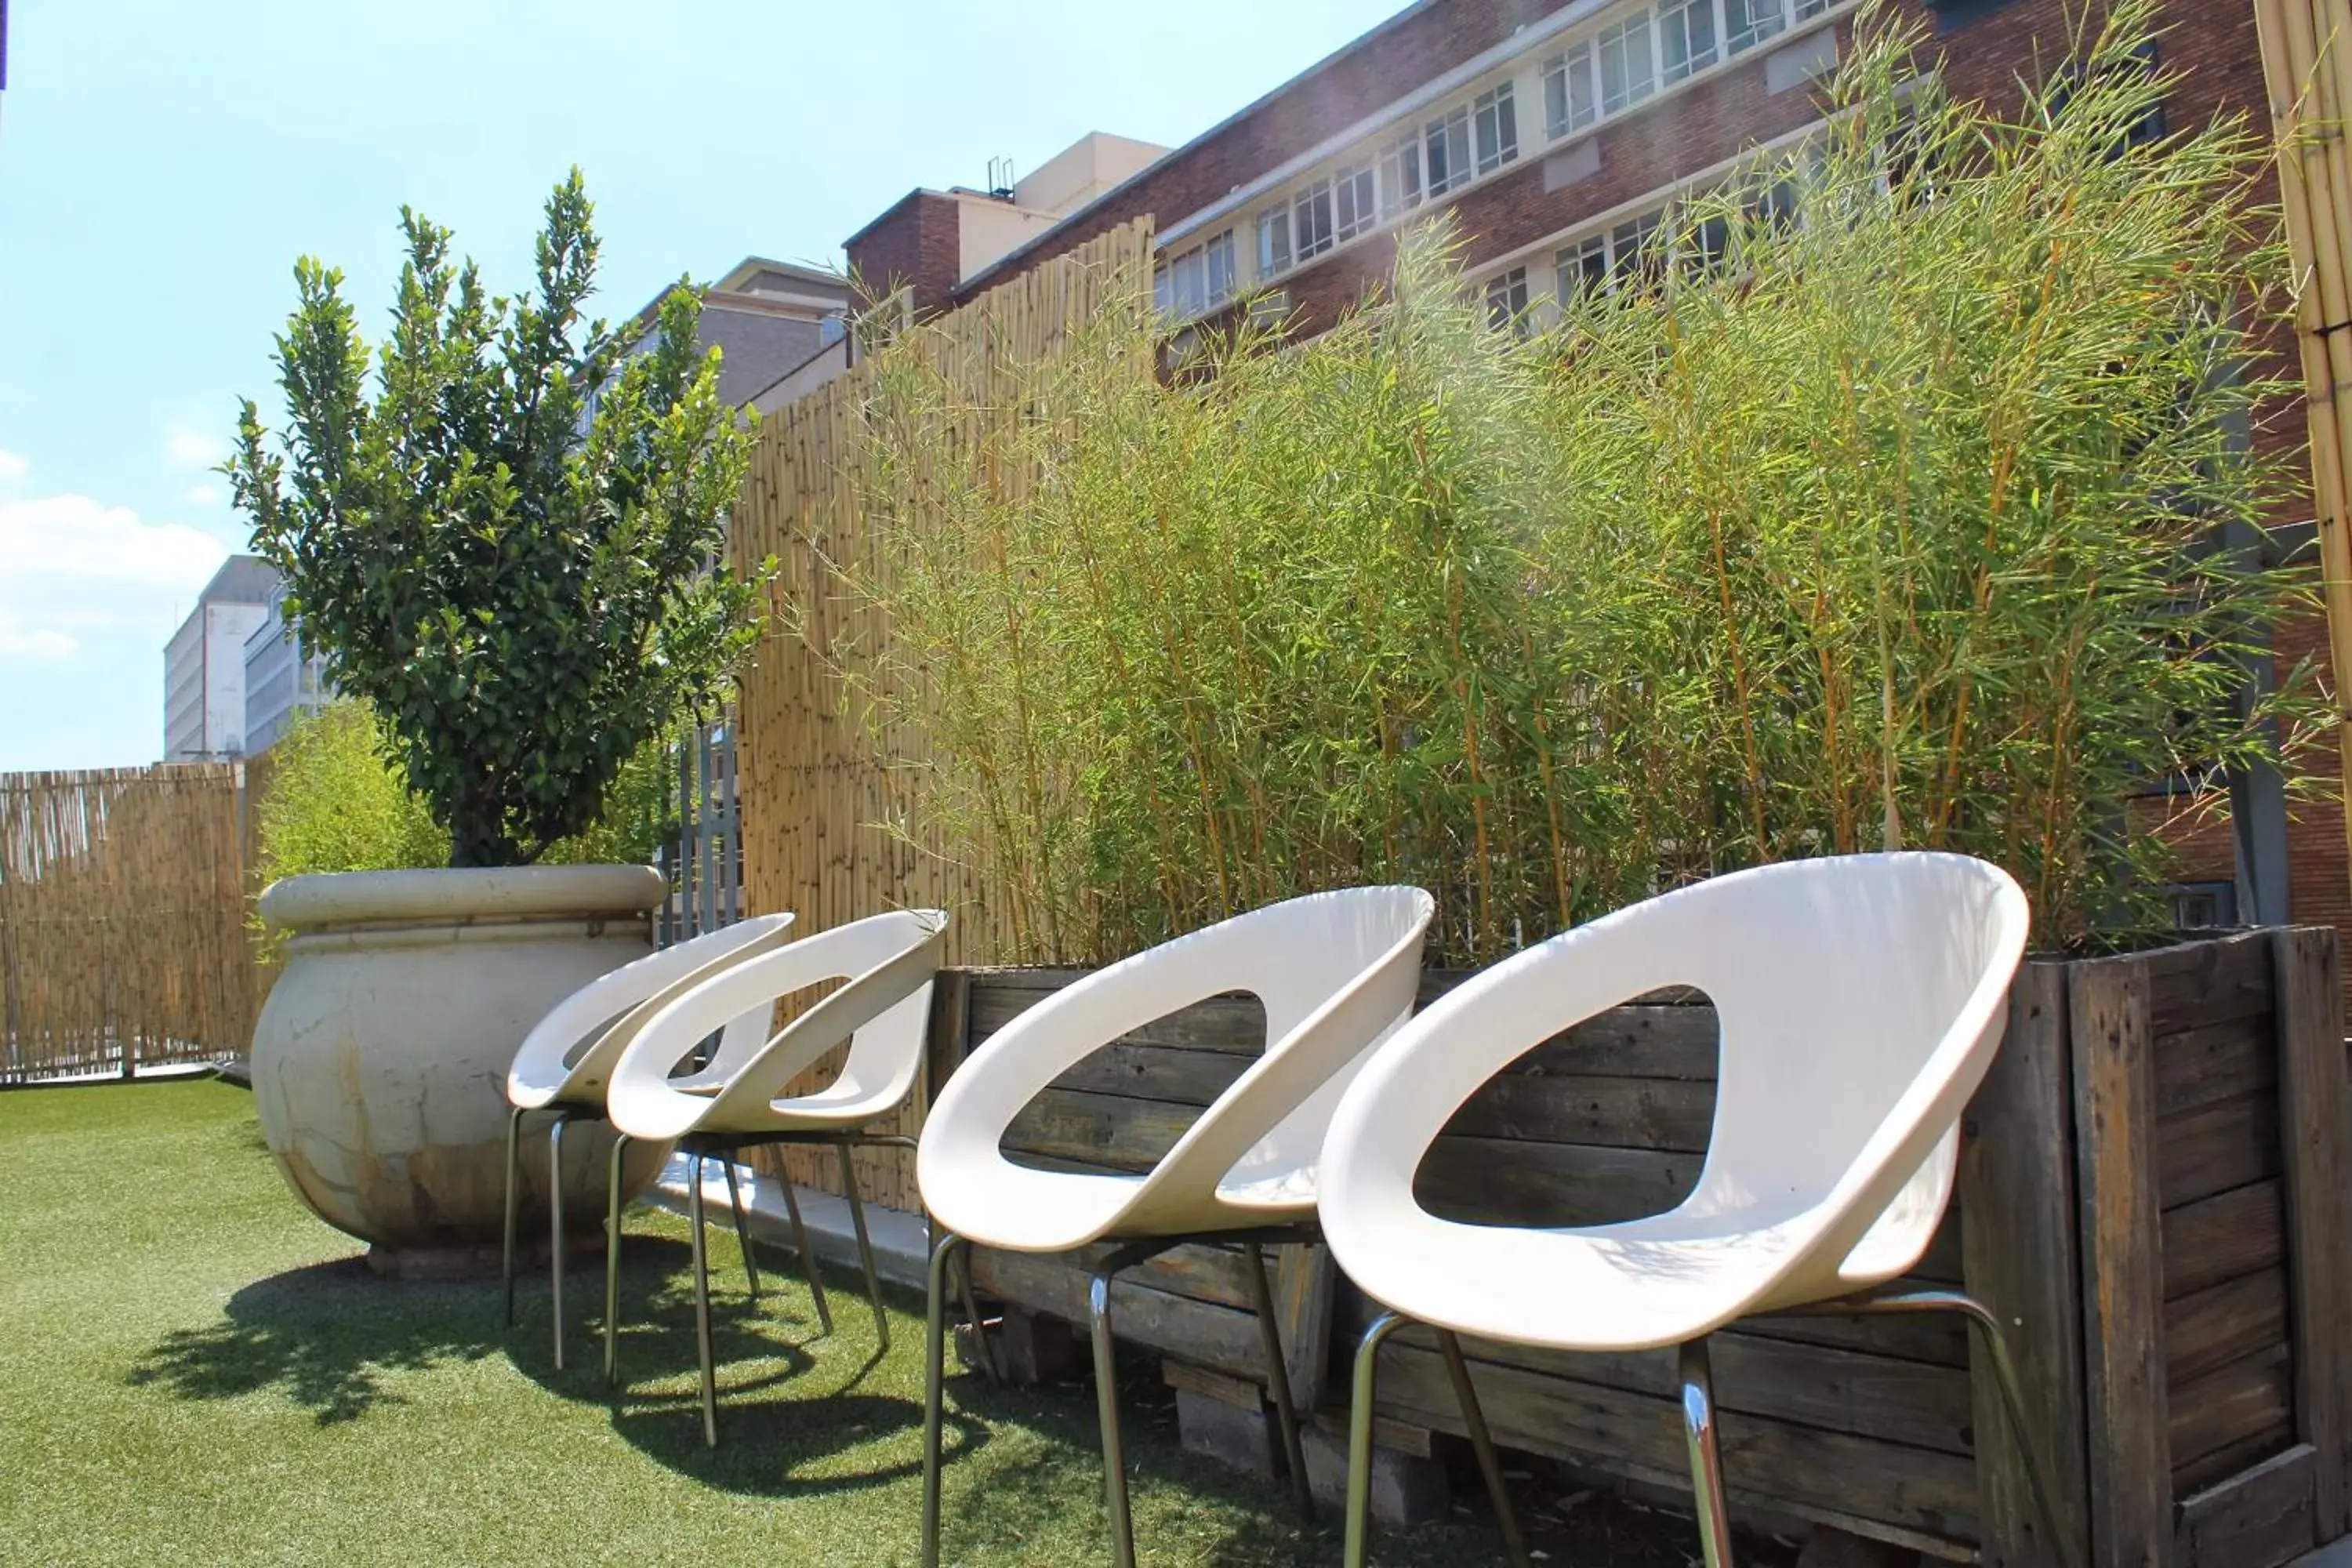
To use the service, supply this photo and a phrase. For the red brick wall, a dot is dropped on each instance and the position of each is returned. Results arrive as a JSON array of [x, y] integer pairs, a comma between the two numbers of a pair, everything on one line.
[[917, 244]]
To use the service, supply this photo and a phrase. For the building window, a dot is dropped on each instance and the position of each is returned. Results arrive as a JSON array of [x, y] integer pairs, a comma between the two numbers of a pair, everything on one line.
[[1274, 243], [1571, 101], [1506, 302], [1354, 204], [1748, 23], [1583, 268], [1628, 73], [1630, 254], [1310, 221], [1685, 37], [1195, 280], [1495, 119], [1445, 151], [1400, 177]]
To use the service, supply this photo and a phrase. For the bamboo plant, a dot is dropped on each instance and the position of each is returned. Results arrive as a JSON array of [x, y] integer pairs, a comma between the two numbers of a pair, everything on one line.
[[1876, 518]]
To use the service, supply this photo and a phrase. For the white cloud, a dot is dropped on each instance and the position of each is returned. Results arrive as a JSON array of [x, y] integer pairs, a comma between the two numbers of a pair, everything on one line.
[[205, 494], [79, 571], [13, 466], [189, 447]]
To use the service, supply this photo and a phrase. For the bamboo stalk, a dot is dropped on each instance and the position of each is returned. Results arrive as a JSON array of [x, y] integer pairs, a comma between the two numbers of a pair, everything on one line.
[[2308, 98]]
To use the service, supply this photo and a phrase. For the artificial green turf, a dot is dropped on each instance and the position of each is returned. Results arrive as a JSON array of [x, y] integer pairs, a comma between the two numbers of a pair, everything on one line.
[[193, 1370]]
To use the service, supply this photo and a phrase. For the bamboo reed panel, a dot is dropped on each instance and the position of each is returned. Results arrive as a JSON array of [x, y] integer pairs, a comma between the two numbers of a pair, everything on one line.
[[122, 918], [2308, 69], [832, 790]]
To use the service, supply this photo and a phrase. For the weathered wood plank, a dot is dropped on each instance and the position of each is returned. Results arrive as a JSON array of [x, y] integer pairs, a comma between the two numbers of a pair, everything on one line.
[[2127, 1465], [1234, 1025], [1859, 1483], [2196, 1066], [1114, 1132], [1672, 1114], [2237, 1413], [1176, 1075], [2201, 982], [2016, 1188], [1305, 1282], [2316, 1112], [2234, 1320], [2257, 1519], [2214, 1147], [1506, 1181], [2224, 1237], [1213, 1336], [1861, 1392]]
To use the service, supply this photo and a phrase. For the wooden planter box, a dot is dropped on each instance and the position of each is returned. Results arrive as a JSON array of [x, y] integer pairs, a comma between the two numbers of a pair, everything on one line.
[[2151, 1194]]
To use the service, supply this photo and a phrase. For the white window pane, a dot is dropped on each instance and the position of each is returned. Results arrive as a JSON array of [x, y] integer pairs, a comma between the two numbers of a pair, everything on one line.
[[1220, 267], [1555, 86], [1685, 37], [1628, 73], [1811, 8], [1750, 22], [1163, 293], [1495, 124], [1274, 243], [1582, 268], [1583, 99]]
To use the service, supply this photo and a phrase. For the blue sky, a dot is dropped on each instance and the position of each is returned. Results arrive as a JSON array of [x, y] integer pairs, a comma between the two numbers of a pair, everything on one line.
[[161, 164]]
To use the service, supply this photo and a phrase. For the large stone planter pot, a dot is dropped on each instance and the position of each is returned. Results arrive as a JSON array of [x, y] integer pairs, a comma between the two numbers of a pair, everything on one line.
[[380, 1059]]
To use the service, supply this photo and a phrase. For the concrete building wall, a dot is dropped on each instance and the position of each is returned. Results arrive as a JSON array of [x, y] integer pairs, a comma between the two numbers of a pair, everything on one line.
[[204, 664]]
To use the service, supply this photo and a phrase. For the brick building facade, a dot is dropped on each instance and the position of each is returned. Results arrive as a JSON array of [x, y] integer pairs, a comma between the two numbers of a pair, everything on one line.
[[1553, 129]]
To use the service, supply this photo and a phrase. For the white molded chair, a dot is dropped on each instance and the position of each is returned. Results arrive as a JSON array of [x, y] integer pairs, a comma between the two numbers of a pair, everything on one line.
[[1861, 1000], [1336, 971], [563, 1062], [882, 1013]]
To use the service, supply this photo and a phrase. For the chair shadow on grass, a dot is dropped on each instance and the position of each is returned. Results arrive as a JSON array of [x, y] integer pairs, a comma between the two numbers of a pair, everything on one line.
[[335, 1340]]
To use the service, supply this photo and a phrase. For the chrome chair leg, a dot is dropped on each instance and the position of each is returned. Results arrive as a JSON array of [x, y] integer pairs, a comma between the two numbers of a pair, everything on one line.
[[612, 1259], [1482, 1443], [2013, 1398], [1359, 1437], [981, 1347], [742, 1227], [702, 1304], [808, 1255], [943, 1247], [864, 1246], [1122, 1522], [555, 1227], [514, 1204], [1705, 1455], [1277, 1377], [1897, 1300]]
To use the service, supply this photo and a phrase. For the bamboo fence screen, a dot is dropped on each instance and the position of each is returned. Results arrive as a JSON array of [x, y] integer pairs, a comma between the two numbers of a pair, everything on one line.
[[831, 792], [2308, 71], [122, 919]]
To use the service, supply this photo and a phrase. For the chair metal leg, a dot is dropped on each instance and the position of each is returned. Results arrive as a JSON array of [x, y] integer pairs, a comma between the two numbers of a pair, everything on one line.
[[943, 1245], [555, 1227], [2013, 1398], [808, 1256], [612, 1259], [1359, 1437], [1897, 1300], [702, 1306], [981, 1347], [514, 1204], [1122, 1524], [1277, 1378], [1705, 1455], [864, 1246], [743, 1228], [1122, 1527], [1482, 1443]]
